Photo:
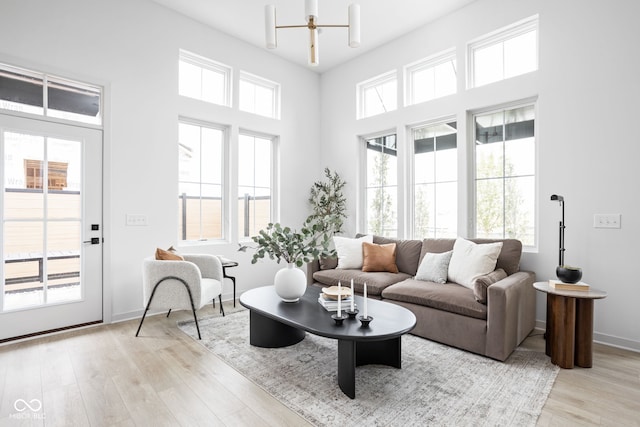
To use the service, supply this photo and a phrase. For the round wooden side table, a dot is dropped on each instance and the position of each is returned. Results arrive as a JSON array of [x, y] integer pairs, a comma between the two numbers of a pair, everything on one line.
[[569, 334]]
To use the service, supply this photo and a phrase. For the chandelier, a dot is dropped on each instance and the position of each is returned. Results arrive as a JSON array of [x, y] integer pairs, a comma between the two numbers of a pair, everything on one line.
[[311, 16]]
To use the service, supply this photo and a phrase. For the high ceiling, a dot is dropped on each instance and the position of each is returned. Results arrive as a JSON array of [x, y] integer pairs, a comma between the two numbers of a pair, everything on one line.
[[381, 22]]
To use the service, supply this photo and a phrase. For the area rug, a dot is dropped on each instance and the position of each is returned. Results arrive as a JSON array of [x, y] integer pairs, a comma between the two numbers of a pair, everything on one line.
[[437, 385]]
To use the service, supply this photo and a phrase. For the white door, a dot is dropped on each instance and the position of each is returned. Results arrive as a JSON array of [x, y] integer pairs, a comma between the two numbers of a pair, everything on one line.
[[51, 211]]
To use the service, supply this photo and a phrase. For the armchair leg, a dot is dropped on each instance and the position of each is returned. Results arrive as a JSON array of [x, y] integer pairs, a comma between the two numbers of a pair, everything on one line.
[[193, 308], [221, 307]]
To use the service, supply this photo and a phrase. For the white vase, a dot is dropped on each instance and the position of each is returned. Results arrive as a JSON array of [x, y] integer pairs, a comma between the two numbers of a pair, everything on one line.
[[290, 283]]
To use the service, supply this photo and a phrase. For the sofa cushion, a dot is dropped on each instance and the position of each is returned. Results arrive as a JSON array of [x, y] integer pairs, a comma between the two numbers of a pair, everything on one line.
[[379, 257], [471, 260], [407, 253], [508, 260], [434, 267], [480, 284], [447, 297], [376, 281], [350, 250]]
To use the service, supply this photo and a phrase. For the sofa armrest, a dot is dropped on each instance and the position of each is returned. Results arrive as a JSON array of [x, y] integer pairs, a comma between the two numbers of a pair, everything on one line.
[[511, 311], [312, 267]]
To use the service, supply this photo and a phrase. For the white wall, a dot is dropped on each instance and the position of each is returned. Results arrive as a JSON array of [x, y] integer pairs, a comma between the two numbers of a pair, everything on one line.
[[587, 91], [132, 48]]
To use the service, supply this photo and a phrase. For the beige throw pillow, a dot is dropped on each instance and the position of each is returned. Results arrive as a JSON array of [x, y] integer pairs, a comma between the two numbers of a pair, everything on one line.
[[470, 260], [379, 257]]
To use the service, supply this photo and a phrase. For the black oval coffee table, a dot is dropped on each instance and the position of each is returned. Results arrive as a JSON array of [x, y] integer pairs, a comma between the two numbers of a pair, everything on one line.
[[274, 323]]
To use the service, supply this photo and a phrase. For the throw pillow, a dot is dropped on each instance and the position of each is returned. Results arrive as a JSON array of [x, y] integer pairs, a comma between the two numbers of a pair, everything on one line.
[[481, 284], [470, 260], [434, 267], [379, 257], [350, 251], [163, 255]]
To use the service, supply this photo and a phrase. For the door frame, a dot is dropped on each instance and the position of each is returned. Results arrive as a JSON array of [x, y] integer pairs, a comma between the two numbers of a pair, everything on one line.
[[105, 257]]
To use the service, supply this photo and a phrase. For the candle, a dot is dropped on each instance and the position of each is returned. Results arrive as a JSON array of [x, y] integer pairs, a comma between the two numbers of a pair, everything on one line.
[[365, 301], [352, 296], [339, 299]]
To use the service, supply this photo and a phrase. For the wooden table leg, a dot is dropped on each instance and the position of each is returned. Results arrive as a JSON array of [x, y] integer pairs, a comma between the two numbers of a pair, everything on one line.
[[548, 334], [584, 333], [563, 333]]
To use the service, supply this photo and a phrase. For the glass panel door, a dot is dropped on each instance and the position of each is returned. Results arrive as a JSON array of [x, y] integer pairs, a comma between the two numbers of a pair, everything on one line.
[[51, 231]]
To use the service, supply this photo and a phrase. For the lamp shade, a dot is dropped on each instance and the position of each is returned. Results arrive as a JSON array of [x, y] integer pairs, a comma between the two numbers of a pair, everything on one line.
[[310, 9], [270, 26], [354, 25]]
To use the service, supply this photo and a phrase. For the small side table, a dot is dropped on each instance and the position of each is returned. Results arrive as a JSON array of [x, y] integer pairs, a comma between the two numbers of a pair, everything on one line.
[[569, 334], [227, 263]]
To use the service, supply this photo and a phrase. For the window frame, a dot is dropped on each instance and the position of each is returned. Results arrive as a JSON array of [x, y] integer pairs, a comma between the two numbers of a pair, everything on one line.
[[224, 206], [364, 221], [275, 87], [472, 170], [424, 64], [274, 182], [378, 80], [211, 65], [500, 36], [411, 178], [51, 81]]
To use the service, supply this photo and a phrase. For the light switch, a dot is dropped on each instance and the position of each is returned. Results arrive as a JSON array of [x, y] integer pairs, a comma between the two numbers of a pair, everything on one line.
[[606, 221], [137, 220]]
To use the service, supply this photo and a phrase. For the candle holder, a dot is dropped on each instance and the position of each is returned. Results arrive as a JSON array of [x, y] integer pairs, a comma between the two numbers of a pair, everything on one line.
[[365, 321], [352, 314], [339, 319]]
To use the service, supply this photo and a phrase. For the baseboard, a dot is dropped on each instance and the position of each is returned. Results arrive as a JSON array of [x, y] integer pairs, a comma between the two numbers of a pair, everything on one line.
[[604, 339]]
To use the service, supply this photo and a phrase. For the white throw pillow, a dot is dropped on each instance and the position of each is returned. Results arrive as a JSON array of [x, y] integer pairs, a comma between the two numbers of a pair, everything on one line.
[[350, 251], [434, 267], [470, 260]]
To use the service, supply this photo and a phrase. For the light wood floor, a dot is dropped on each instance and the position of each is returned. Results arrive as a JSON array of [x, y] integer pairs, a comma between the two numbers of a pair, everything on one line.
[[105, 376]]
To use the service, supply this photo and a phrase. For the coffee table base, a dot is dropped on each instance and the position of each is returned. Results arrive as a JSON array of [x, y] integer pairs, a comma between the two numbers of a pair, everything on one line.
[[358, 353], [268, 333]]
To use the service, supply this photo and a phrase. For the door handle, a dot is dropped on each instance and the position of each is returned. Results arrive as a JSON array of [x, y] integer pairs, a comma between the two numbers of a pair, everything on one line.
[[93, 241]]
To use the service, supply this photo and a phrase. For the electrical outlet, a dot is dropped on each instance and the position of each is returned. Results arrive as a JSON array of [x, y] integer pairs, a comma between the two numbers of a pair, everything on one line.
[[136, 220], [606, 220]]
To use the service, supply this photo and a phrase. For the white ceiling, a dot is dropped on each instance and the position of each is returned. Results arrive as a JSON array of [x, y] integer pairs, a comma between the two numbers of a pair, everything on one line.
[[381, 21]]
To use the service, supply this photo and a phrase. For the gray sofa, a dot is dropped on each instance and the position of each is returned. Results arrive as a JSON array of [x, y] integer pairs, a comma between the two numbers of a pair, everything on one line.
[[448, 313]]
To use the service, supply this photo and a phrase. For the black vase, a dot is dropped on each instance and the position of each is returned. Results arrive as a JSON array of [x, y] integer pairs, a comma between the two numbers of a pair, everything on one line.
[[569, 274]]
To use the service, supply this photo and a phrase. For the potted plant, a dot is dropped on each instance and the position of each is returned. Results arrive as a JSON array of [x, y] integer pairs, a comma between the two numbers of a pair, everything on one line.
[[281, 243]]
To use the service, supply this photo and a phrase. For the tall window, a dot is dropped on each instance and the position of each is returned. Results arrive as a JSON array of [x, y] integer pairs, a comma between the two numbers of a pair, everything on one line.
[[505, 164], [46, 95], [435, 198], [382, 186], [431, 78], [378, 95], [507, 53], [204, 79], [259, 96], [200, 202], [255, 183]]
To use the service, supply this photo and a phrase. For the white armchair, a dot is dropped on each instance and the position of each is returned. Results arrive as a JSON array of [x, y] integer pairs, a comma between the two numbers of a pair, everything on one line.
[[182, 285]]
